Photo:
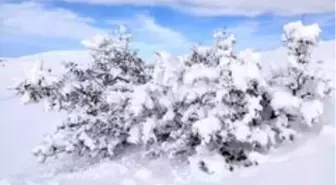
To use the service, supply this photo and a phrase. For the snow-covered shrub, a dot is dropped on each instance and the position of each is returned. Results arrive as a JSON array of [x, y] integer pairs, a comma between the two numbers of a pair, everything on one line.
[[36, 86], [97, 99], [224, 94], [210, 104], [298, 92]]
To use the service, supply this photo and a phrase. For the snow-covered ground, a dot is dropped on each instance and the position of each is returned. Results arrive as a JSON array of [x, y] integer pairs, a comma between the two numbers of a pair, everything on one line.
[[310, 161], [22, 127]]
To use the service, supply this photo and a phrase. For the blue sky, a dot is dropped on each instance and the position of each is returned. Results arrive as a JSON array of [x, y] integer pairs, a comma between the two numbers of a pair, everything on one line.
[[28, 27]]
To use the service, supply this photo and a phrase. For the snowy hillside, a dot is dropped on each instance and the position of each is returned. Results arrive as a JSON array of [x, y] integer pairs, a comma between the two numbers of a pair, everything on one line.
[[309, 162], [16, 119]]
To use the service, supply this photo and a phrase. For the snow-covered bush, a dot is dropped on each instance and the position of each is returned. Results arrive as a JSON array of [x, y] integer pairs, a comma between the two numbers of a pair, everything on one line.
[[222, 96], [212, 103], [297, 93], [208, 101], [96, 98], [36, 86]]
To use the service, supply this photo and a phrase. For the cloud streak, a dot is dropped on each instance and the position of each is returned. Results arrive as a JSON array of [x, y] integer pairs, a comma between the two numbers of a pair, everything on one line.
[[34, 19], [35, 26], [150, 36], [226, 7], [32, 26]]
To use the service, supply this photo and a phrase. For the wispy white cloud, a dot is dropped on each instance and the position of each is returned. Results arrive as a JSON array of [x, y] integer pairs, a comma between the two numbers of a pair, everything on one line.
[[40, 25], [29, 23], [35, 19], [226, 7], [150, 36], [146, 26]]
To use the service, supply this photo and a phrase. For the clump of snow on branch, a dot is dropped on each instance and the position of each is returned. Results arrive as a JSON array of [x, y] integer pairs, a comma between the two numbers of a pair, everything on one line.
[[33, 88]]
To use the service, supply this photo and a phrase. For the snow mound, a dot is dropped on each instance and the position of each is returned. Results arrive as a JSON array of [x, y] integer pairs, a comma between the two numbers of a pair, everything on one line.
[[310, 163]]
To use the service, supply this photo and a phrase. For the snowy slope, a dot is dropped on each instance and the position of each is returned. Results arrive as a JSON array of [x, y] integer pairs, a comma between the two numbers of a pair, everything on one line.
[[22, 127], [309, 162]]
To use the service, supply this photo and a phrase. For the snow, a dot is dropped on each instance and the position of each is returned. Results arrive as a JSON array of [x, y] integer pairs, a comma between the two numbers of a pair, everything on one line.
[[17, 119], [216, 166], [311, 110], [206, 127], [309, 162], [99, 41], [227, 43], [260, 136], [172, 68], [297, 30], [202, 49], [134, 135], [87, 140], [200, 71], [96, 41], [143, 174], [140, 98], [253, 57], [238, 77], [241, 132], [147, 129], [284, 100], [241, 74]]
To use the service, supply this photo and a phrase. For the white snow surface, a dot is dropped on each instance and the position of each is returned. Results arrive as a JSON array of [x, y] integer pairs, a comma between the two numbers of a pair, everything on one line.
[[310, 161], [206, 127]]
